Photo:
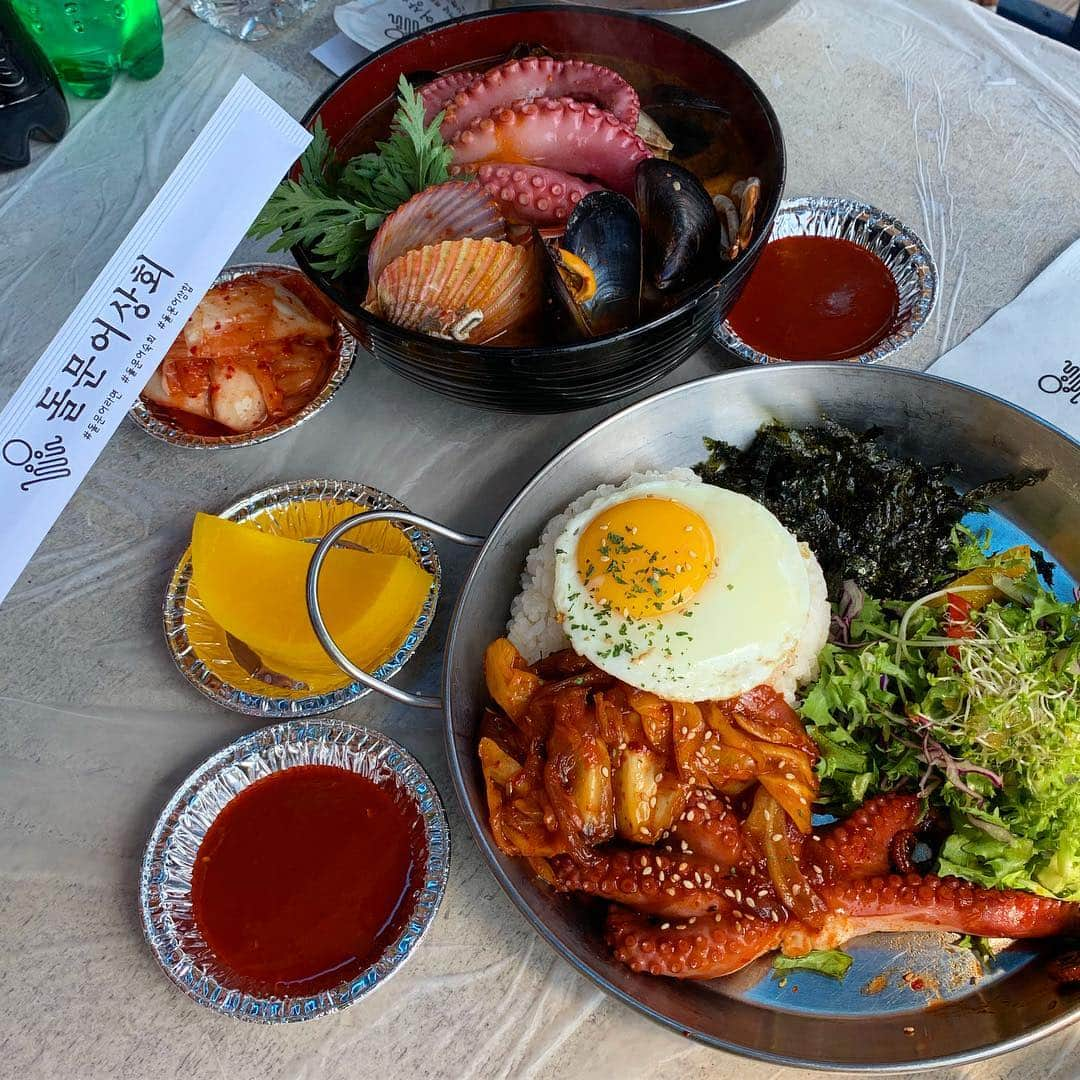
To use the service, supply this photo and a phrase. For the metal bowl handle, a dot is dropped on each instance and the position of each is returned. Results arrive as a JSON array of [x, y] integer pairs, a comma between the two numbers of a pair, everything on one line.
[[422, 701]]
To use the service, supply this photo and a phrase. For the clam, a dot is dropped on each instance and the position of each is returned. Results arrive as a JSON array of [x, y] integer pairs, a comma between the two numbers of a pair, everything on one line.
[[736, 212], [595, 267], [679, 220], [464, 290]]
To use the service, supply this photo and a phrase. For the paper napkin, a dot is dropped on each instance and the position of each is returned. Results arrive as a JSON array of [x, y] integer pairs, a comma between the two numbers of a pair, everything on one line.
[[1029, 352]]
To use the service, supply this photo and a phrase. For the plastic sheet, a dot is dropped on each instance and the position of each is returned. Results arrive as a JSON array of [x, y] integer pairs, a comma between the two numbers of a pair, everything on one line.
[[962, 125]]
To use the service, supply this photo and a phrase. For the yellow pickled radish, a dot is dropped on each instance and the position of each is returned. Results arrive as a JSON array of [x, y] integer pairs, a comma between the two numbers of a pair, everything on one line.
[[253, 584]]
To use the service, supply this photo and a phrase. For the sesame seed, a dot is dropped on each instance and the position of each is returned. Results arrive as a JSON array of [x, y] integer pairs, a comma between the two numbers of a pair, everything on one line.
[[661, 875], [671, 892], [646, 871], [665, 926], [717, 917], [729, 893], [684, 866], [818, 870], [659, 776], [690, 815], [817, 838], [789, 776], [605, 771], [777, 837], [750, 902], [687, 883]]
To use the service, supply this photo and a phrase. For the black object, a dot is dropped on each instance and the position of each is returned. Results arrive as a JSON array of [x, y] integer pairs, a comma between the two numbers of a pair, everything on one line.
[[1042, 20], [561, 377], [32, 104]]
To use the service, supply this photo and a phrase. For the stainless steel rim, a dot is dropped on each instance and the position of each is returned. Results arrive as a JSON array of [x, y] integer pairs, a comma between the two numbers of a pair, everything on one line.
[[276, 706], [910, 263], [347, 345], [164, 886], [403, 697], [480, 832]]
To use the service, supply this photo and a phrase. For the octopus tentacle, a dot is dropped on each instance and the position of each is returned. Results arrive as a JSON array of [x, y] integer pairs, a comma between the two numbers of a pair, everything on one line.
[[556, 133], [438, 93], [706, 947], [529, 194], [710, 828], [859, 846], [657, 882], [928, 902], [535, 77]]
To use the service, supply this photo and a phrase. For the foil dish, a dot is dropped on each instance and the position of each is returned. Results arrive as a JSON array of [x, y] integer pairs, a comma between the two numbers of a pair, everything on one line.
[[901, 250], [230, 674], [154, 421], [165, 881]]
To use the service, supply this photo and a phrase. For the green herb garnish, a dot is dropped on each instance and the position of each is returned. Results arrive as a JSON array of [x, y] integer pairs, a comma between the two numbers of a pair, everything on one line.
[[831, 962], [334, 208]]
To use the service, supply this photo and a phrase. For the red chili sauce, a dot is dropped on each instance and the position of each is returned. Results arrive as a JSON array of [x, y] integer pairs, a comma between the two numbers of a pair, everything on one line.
[[816, 298], [300, 881]]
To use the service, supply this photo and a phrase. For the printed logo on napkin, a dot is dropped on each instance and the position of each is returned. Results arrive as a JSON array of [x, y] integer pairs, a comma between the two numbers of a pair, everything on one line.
[[374, 25], [1029, 351], [60, 418]]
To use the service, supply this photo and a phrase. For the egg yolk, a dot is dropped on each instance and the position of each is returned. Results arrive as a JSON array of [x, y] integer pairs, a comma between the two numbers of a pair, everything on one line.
[[645, 557]]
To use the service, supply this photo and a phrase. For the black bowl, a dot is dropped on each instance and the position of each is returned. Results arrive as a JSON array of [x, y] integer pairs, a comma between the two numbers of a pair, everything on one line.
[[555, 378]]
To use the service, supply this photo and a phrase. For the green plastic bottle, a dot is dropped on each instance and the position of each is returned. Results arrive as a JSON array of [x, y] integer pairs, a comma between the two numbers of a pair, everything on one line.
[[89, 41]]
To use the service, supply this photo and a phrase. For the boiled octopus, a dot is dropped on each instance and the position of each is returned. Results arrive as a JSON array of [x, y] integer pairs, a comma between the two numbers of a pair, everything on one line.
[[556, 133], [540, 132]]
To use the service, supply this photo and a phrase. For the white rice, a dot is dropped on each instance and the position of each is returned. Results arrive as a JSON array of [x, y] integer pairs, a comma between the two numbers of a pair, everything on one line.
[[533, 628]]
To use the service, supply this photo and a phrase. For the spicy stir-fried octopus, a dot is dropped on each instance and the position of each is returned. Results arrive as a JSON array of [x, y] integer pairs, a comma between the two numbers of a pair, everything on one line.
[[695, 821]]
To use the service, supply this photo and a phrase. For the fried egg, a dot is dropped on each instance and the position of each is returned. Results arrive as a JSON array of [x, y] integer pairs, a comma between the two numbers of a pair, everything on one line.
[[690, 591]]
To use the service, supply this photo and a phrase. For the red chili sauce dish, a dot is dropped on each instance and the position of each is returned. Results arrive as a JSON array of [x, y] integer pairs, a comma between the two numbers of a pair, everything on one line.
[[304, 878], [816, 298]]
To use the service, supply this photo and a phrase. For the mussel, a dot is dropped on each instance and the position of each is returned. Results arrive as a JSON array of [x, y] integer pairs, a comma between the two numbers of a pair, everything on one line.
[[680, 223], [594, 269]]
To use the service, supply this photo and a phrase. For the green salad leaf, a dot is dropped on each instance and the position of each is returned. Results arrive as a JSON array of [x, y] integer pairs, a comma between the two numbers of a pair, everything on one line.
[[333, 209], [831, 962], [986, 724]]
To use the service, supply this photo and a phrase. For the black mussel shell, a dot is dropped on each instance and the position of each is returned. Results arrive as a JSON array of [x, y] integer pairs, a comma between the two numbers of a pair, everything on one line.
[[679, 220], [665, 95], [604, 232]]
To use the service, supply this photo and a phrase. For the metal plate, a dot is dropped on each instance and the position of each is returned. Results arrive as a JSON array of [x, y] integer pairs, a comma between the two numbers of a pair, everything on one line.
[[165, 881], [199, 646], [821, 1025], [903, 253], [155, 422]]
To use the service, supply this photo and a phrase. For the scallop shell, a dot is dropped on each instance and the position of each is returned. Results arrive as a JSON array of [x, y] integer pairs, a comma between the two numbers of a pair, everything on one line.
[[467, 290], [455, 210]]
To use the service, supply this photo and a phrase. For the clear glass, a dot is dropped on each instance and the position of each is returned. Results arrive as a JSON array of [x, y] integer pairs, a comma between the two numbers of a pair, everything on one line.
[[250, 20]]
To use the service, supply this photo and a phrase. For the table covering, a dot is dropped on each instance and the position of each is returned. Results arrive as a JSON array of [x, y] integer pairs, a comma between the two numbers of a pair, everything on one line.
[[963, 125]]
